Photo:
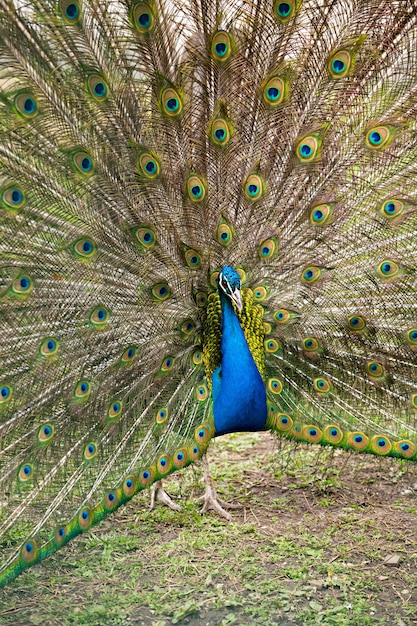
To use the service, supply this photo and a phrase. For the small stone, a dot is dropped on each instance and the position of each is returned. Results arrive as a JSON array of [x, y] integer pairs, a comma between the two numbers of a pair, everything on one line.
[[392, 560], [318, 584]]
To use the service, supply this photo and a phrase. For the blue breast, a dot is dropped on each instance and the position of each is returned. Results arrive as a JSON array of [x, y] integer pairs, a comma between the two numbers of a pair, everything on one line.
[[239, 398]]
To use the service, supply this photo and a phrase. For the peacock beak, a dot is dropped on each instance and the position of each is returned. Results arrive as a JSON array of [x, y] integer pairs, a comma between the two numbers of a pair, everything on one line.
[[237, 299]]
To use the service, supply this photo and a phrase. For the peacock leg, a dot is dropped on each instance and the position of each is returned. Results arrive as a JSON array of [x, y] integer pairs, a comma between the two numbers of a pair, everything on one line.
[[210, 499], [159, 493]]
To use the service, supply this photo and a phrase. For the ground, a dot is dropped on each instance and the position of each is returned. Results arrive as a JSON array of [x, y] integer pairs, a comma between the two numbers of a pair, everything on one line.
[[322, 538]]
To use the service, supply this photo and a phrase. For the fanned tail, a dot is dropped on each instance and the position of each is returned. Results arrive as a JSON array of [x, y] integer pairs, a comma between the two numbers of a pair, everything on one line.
[[145, 145]]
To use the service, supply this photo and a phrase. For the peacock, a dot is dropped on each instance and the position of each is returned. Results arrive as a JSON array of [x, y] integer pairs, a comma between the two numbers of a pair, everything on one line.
[[207, 225]]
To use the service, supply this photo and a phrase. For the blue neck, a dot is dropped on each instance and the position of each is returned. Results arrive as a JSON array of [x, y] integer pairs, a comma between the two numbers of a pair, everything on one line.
[[239, 398]]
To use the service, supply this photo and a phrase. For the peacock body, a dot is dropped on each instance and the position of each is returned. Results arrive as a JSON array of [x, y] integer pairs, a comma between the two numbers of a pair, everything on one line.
[[208, 225]]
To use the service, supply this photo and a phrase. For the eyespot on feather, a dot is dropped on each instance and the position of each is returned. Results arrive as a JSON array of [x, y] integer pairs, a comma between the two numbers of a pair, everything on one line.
[[356, 322], [333, 434], [357, 440], [99, 316], [378, 137], [49, 347], [308, 148], [380, 445], [220, 132], [161, 291], [164, 464], [90, 451], [285, 11], [193, 259], [297, 431], [45, 433], [171, 102], [161, 415], [13, 198], [375, 369], [242, 274], [130, 485], [195, 452], [84, 248], [311, 274], [392, 208], [412, 337], [6, 392], [339, 64], [29, 551], [187, 327], [149, 166], [201, 393], [388, 269], [112, 499], [404, 448], [82, 390], [282, 316], [146, 476], [321, 214], [25, 472], [201, 299], [146, 237], [167, 364], [310, 344], [22, 286], [202, 434], [322, 385], [196, 188], [254, 187], [85, 518], [180, 458], [214, 277], [26, 105], [224, 234], [143, 18], [275, 386], [268, 248], [272, 346], [129, 355], [70, 11], [197, 357], [283, 422], [221, 46], [260, 293], [83, 163], [274, 91], [312, 434], [97, 87], [114, 410], [61, 535]]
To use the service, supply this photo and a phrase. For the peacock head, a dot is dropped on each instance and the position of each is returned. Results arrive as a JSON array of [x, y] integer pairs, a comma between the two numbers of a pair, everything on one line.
[[229, 284]]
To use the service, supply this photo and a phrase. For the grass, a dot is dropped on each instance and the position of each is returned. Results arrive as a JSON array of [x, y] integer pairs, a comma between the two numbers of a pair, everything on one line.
[[308, 547]]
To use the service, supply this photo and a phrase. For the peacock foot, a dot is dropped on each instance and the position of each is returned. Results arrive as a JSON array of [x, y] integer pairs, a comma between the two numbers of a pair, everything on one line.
[[159, 493], [213, 503], [210, 499]]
